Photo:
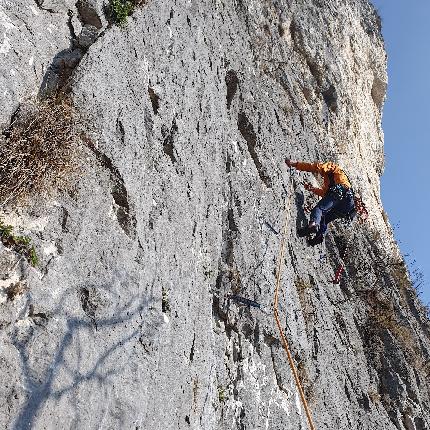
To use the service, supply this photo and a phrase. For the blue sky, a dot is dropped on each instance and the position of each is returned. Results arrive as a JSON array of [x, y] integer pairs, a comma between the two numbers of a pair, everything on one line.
[[406, 124]]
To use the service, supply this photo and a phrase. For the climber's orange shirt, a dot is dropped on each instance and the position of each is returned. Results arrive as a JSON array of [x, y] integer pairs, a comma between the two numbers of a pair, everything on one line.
[[324, 169]]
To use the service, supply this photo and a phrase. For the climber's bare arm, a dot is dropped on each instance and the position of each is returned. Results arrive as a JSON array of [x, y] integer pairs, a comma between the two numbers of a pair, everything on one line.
[[306, 167], [290, 163], [317, 191]]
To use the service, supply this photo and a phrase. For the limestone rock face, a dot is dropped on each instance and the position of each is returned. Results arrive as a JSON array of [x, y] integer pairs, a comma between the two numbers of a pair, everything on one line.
[[128, 321]]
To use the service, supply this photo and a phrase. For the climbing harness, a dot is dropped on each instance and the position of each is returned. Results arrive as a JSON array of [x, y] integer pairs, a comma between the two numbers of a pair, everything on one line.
[[339, 191], [278, 323]]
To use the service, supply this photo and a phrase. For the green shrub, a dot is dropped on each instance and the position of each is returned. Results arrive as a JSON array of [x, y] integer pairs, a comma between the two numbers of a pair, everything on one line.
[[34, 260], [222, 396], [20, 244], [120, 10]]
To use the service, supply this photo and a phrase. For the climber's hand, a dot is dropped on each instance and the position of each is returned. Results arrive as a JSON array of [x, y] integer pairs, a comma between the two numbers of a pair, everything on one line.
[[308, 186], [289, 163]]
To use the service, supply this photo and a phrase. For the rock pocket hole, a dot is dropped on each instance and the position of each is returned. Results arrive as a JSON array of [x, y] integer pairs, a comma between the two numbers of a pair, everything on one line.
[[88, 306], [169, 136], [247, 131], [330, 98]]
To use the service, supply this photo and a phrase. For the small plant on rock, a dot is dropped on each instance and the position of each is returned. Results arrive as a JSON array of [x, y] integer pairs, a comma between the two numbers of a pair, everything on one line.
[[19, 244], [222, 396], [34, 259], [16, 289], [121, 9], [374, 396]]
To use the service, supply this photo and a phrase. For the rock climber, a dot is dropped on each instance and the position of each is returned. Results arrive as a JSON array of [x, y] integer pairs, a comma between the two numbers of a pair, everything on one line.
[[338, 200]]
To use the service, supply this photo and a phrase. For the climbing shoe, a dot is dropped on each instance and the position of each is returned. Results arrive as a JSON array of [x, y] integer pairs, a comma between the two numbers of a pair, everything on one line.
[[317, 240], [306, 231]]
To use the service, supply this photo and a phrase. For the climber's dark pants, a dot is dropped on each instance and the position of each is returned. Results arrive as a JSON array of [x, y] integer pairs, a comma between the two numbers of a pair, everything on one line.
[[329, 208]]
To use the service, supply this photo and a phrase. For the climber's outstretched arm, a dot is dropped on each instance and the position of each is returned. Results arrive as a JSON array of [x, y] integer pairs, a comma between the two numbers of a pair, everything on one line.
[[306, 167], [321, 168]]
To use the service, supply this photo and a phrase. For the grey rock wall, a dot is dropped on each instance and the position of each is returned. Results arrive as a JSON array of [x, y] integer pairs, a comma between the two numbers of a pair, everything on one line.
[[191, 108]]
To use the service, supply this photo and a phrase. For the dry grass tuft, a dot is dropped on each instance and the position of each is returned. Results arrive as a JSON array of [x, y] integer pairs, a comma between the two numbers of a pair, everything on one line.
[[302, 289], [374, 396], [15, 290], [38, 153]]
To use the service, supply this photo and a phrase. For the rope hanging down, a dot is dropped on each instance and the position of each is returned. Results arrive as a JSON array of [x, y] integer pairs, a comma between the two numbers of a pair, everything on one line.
[[281, 332]]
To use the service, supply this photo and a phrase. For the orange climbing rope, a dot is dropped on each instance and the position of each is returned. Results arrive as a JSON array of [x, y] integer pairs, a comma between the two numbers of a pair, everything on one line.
[[281, 332]]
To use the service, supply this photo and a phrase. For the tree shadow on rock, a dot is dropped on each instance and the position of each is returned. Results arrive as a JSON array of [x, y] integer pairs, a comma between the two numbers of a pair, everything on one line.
[[45, 387]]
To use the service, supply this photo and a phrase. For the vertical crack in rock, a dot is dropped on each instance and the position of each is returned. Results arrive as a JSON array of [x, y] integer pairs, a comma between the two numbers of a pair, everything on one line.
[[121, 131], [316, 71], [232, 83], [192, 349], [63, 220], [169, 137], [155, 100], [231, 222], [88, 306], [278, 376], [247, 131], [165, 304], [126, 220], [125, 216], [228, 280], [70, 24]]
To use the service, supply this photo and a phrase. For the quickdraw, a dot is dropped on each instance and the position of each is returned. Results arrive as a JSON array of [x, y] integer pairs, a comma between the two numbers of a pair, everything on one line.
[[341, 267], [338, 274], [245, 301]]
